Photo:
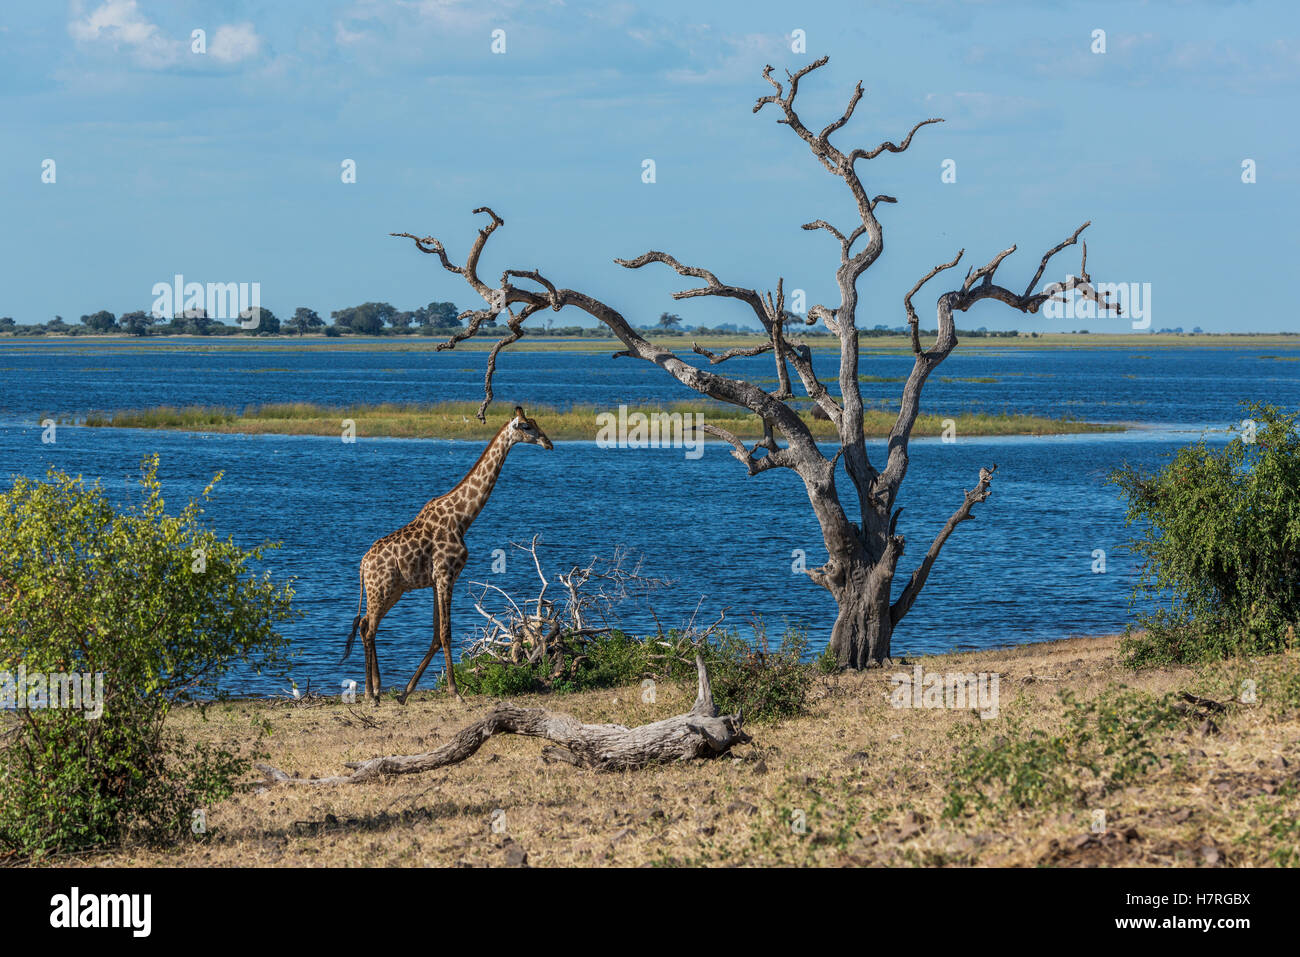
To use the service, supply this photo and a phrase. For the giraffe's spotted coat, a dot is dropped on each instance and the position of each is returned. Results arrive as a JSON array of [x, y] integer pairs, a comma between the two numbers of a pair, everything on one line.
[[429, 551]]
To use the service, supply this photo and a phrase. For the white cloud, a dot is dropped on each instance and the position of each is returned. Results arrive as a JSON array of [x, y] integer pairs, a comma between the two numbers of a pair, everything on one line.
[[121, 24], [234, 42]]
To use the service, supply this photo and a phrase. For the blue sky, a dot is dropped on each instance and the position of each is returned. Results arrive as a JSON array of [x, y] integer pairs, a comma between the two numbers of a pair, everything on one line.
[[225, 166]]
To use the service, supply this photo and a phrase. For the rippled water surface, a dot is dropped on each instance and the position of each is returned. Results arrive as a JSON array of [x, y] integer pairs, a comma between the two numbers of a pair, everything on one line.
[[1021, 572]]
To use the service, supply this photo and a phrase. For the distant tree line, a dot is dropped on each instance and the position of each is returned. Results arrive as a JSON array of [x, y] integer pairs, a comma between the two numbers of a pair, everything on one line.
[[370, 319], [437, 319]]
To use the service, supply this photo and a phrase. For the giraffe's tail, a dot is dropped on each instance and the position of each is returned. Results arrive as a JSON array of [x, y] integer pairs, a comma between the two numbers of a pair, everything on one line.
[[356, 622]]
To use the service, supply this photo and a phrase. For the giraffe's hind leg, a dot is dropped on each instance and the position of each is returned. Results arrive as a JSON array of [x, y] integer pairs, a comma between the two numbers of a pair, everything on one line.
[[372, 661], [376, 611], [365, 651]]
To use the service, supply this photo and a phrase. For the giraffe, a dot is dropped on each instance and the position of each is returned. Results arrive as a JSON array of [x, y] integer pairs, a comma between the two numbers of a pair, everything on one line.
[[430, 551]]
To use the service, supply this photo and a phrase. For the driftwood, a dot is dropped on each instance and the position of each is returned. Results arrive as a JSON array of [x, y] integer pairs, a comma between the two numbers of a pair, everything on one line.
[[699, 733]]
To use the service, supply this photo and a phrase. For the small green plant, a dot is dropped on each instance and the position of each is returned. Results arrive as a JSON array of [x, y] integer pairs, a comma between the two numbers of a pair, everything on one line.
[[826, 663], [1107, 742], [1025, 769], [1219, 545], [146, 610], [1285, 829], [1122, 731]]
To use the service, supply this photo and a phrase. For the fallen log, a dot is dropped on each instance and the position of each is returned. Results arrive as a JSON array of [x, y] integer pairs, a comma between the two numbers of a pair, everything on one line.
[[699, 733]]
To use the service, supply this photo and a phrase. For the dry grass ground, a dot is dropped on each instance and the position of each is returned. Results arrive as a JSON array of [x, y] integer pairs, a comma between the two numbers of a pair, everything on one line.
[[871, 783]]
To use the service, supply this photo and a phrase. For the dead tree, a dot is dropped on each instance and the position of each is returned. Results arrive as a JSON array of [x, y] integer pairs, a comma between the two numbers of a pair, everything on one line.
[[699, 733], [863, 551]]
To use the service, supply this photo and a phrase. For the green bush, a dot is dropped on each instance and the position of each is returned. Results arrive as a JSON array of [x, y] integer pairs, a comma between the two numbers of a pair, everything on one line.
[[608, 660], [157, 605], [1220, 543], [768, 685]]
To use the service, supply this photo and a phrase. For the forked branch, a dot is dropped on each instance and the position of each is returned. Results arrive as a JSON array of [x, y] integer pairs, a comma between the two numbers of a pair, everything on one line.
[[914, 585], [978, 285]]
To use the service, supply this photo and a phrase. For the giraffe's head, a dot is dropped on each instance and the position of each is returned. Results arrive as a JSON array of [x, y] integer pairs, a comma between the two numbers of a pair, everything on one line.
[[524, 429]]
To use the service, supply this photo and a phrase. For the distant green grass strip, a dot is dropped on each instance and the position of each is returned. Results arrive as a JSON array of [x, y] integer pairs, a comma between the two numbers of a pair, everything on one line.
[[456, 420]]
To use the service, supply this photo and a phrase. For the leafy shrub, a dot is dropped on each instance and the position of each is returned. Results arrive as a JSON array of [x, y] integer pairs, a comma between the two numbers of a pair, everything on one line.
[[1118, 732], [1220, 540], [1026, 771], [608, 660], [768, 685], [157, 605]]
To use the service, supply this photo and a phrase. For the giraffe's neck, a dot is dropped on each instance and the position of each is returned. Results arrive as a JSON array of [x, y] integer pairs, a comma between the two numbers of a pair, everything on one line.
[[468, 498]]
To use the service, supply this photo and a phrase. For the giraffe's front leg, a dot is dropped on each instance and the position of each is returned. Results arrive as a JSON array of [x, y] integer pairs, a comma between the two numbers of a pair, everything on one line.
[[433, 648], [444, 634]]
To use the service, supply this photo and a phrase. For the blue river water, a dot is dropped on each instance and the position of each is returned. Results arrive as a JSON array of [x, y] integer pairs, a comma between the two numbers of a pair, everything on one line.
[[1023, 571]]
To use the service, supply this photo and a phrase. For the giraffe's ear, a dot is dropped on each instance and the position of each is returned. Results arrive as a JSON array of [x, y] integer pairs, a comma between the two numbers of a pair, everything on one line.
[[519, 411]]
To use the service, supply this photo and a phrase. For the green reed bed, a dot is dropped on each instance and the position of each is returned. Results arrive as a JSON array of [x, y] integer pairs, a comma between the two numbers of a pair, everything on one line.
[[457, 420]]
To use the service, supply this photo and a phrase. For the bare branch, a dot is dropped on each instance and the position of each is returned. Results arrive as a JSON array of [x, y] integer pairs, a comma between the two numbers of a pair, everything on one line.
[[771, 316], [822, 224], [986, 272], [430, 245], [775, 458], [654, 256], [848, 112], [913, 588], [912, 318], [776, 315], [1028, 301], [514, 324], [1047, 256], [907, 141], [743, 352]]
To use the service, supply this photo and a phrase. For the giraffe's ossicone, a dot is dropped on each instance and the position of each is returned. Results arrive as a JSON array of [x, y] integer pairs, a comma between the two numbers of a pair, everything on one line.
[[429, 552]]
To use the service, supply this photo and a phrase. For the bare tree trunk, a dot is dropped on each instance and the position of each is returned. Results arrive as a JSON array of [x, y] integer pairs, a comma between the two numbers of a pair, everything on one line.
[[862, 629]]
